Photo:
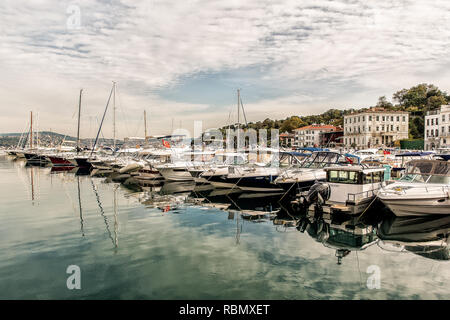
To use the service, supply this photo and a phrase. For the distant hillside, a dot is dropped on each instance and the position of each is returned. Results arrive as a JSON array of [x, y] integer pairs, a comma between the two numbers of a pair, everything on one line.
[[46, 138], [41, 133]]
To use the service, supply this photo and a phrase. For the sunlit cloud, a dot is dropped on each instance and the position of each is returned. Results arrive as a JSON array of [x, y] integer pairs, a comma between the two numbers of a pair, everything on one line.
[[313, 55]]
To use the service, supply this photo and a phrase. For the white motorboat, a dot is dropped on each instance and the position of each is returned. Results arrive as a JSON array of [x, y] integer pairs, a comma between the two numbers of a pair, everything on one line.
[[347, 189], [310, 170], [254, 178], [178, 169], [423, 190], [216, 173], [367, 153]]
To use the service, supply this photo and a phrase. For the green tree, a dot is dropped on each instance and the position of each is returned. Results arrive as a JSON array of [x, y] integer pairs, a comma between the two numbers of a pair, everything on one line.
[[421, 96], [384, 103]]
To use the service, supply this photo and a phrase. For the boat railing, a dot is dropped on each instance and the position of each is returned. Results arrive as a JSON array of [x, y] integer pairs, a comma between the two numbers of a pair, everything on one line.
[[429, 189], [361, 195]]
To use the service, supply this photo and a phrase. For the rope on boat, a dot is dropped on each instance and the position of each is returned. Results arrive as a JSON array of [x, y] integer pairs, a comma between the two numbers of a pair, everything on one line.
[[367, 208], [287, 191]]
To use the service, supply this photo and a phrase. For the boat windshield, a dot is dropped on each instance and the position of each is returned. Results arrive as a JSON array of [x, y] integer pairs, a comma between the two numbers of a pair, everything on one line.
[[320, 160], [417, 178], [432, 171]]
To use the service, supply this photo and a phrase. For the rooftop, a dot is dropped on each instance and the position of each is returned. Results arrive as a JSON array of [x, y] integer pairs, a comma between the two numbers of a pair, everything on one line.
[[319, 127], [376, 110]]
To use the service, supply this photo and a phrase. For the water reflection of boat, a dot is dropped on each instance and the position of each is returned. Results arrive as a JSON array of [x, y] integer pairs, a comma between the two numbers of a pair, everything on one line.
[[343, 236], [164, 202], [170, 187], [425, 236], [58, 169], [250, 205]]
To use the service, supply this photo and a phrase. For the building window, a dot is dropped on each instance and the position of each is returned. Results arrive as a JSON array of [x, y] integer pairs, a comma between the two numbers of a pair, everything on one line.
[[378, 118], [428, 133], [437, 121], [392, 127], [378, 130], [404, 118], [428, 122], [398, 118], [436, 132], [432, 122], [392, 118], [370, 118], [384, 118]]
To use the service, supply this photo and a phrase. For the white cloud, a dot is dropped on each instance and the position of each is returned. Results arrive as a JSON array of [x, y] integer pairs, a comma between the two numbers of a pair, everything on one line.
[[355, 50]]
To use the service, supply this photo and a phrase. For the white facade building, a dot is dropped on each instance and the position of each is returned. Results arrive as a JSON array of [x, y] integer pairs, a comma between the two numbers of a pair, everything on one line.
[[437, 128], [375, 127], [309, 136]]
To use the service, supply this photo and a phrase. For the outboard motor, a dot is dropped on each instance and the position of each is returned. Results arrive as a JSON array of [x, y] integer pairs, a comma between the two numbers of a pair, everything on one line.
[[319, 193]]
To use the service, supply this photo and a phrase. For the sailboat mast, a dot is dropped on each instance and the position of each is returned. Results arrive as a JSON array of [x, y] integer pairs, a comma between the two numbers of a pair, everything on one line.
[[239, 99], [145, 125], [101, 123], [31, 131], [239, 125], [79, 116], [114, 117]]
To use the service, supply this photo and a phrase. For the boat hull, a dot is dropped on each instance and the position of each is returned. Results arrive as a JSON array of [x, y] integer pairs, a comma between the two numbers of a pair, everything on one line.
[[36, 160], [83, 163], [418, 207], [60, 161], [258, 184], [175, 174]]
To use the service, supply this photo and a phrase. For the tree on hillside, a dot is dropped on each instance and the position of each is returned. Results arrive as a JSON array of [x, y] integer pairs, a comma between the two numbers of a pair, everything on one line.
[[417, 100], [423, 96], [384, 103]]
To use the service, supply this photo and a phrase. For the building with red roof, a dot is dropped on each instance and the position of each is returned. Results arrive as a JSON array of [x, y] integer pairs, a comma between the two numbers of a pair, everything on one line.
[[310, 136]]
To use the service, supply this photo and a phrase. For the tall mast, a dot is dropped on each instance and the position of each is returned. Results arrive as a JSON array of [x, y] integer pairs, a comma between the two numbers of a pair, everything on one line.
[[79, 115], [37, 131], [101, 123], [145, 125], [31, 131], [114, 117], [239, 125], [239, 100]]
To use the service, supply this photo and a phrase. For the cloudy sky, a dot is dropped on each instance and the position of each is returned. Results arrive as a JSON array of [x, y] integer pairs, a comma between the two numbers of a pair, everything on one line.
[[183, 60]]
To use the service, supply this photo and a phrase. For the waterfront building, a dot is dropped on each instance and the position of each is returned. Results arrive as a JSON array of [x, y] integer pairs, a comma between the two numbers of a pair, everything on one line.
[[375, 127], [287, 139], [331, 138], [437, 128], [309, 136]]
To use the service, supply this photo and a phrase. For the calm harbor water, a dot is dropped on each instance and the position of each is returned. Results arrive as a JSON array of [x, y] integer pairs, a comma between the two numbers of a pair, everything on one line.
[[157, 245]]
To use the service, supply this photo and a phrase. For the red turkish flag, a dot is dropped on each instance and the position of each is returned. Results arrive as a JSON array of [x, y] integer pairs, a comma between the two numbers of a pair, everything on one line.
[[166, 143]]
